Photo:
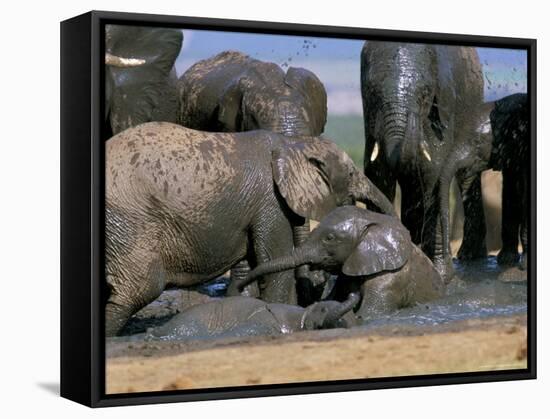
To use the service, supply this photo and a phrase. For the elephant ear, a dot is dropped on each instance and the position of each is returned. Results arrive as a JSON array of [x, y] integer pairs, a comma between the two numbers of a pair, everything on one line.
[[381, 248], [313, 90], [230, 113], [303, 179]]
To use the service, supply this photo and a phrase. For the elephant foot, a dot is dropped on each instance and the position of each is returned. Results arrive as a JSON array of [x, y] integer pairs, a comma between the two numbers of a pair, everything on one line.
[[239, 272], [310, 285], [466, 253], [523, 262], [316, 277], [445, 269], [508, 257]]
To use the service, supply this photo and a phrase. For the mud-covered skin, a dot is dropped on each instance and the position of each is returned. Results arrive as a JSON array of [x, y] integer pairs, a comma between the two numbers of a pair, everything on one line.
[[476, 160], [510, 154], [421, 105], [245, 316], [183, 206], [232, 92], [373, 254], [145, 91]]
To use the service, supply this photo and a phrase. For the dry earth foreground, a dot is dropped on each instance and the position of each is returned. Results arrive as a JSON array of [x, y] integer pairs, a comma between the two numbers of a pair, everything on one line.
[[338, 354]]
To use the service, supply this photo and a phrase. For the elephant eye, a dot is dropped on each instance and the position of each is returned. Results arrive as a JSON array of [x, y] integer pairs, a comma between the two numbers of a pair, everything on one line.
[[330, 237]]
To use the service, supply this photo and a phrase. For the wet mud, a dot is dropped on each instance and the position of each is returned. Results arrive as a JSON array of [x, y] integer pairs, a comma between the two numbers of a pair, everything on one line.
[[480, 324]]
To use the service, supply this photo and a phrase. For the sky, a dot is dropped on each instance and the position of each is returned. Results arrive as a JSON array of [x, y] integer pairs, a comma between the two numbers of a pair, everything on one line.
[[336, 62]]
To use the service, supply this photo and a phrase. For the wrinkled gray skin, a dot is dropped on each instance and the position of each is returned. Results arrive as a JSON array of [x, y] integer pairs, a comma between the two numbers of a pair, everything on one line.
[[183, 206], [140, 77], [372, 253], [473, 164], [510, 154], [232, 92], [421, 106], [502, 145], [245, 316]]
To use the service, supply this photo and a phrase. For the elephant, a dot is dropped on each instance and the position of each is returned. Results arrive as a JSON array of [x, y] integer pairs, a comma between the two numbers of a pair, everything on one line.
[[183, 206], [140, 77], [502, 145], [421, 106], [510, 154], [232, 92], [245, 316], [372, 254]]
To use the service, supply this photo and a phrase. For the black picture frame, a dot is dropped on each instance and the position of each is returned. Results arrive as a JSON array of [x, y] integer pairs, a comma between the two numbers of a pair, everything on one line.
[[82, 208]]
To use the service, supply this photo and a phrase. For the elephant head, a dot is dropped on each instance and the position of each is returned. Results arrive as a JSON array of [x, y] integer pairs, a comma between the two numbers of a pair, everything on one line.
[[265, 97], [351, 240], [314, 176], [140, 75], [407, 108], [328, 314]]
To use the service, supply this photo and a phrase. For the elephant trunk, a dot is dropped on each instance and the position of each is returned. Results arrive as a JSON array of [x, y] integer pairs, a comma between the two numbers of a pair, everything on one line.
[[300, 256], [334, 315], [367, 193], [116, 61], [395, 120]]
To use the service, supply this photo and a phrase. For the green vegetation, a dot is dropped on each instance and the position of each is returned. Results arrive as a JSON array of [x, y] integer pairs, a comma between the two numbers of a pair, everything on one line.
[[347, 131]]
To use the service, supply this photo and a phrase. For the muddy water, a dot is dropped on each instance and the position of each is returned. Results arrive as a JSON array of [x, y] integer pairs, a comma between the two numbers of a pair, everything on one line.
[[479, 289]]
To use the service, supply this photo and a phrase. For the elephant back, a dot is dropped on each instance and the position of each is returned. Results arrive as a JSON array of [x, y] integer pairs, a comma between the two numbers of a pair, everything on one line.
[[226, 317], [509, 122]]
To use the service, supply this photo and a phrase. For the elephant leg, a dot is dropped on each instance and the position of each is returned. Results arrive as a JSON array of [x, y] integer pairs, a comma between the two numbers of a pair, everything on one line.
[[432, 238], [473, 242], [132, 285], [524, 226], [239, 272], [117, 315], [377, 297], [511, 216], [120, 307], [412, 209], [272, 240]]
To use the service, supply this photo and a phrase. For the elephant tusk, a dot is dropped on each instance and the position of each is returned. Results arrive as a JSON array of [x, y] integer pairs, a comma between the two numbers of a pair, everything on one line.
[[425, 151], [116, 61], [374, 154]]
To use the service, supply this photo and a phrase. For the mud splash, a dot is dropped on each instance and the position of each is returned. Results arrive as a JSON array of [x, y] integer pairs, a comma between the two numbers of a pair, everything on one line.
[[479, 289]]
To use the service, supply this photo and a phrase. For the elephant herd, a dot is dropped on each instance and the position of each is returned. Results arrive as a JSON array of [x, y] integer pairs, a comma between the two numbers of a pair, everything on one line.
[[223, 168]]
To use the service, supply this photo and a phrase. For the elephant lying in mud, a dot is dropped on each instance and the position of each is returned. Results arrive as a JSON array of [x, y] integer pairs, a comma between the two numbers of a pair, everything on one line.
[[183, 206], [372, 253], [245, 316]]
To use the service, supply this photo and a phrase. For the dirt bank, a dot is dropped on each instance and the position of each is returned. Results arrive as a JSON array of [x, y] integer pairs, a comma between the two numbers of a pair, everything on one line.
[[473, 345]]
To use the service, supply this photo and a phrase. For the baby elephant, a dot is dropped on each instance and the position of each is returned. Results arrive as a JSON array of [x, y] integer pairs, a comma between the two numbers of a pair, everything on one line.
[[245, 316], [372, 253]]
